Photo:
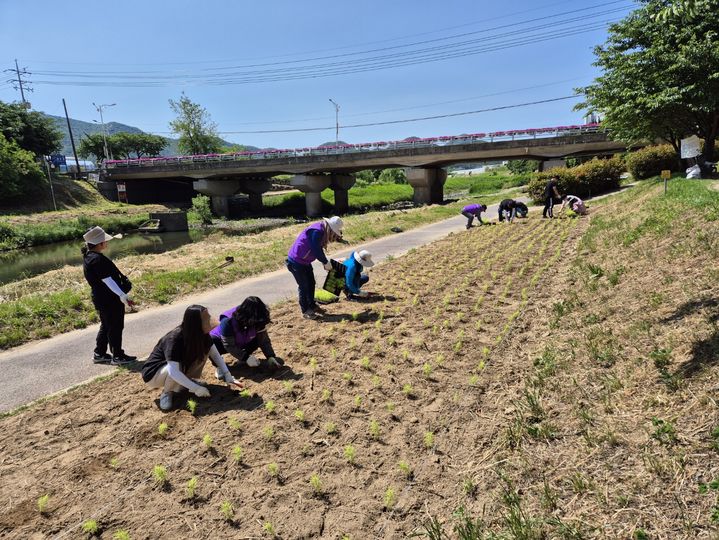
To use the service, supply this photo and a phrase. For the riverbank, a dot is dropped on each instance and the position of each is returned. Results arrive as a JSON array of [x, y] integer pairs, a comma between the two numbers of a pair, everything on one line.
[[59, 301]]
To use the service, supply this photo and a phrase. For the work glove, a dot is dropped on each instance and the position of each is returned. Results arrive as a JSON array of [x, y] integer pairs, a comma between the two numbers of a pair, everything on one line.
[[327, 266], [201, 391], [229, 378], [125, 300]]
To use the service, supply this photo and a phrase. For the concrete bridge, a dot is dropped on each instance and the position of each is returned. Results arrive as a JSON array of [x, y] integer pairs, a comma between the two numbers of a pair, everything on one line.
[[315, 169]]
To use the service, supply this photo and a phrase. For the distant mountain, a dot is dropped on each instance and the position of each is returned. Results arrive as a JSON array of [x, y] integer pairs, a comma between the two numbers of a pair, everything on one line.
[[80, 129]]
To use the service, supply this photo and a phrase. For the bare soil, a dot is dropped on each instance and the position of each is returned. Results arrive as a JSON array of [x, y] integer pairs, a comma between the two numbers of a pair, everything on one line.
[[532, 370]]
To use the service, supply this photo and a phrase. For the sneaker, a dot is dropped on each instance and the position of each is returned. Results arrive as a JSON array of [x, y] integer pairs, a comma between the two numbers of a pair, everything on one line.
[[101, 358], [309, 314], [166, 401], [252, 361], [119, 361]]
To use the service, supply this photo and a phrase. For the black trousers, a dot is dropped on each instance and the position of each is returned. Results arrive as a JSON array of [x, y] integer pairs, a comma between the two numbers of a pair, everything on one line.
[[112, 323], [548, 207]]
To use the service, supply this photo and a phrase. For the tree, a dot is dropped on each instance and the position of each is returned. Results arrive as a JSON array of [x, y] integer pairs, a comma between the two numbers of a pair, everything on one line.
[[31, 130], [92, 144], [197, 132], [522, 166], [136, 145], [659, 78], [20, 173]]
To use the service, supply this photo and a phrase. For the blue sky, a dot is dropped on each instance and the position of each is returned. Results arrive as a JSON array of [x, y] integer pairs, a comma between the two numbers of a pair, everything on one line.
[[184, 45]]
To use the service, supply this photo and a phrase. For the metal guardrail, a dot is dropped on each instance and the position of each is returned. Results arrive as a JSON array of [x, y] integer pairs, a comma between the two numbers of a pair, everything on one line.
[[519, 134]]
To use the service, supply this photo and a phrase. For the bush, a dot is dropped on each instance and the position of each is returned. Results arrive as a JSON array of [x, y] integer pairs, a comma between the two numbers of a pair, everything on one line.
[[20, 175], [652, 160], [392, 176], [591, 178], [201, 208]]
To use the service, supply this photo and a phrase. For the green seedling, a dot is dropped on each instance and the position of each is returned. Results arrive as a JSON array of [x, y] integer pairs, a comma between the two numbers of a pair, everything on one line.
[[191, 406], [407, 390], [91, 526], [428, 439], [391, 341], [390, 498], [374, 429], [42, 503], [316, 484], [159, 473], [364, 363], [347, 377], [481, 365], [121, 535], [427, 370], [474, 380], [405, 469], [390, 406], [237, 454], [289, 386], [390, 367], [331, 428], [162, 429], [457, 347], [326, 396], [273, 470], [300, 415], [191, 487], [376, 381], [268, 433], [469, 487], [333, 354], [485, 352], [350, 454], [234, 423], [405, 355], [355, 316], [358, 401], [378, 324], [227, 510], [269, 528], [114, 463], [313, 363], [440, 360], [207, 441], [270, 407], [245, 393]]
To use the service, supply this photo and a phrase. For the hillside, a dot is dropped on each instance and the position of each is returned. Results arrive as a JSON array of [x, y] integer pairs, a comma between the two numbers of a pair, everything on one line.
[[80, 129]]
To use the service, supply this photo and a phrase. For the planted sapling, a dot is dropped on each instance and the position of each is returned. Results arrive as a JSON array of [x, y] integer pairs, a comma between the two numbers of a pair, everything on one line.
[[159, 473], [313, 364], [350, 454], [289, 387], [474, 380], [316, 484], [374, 429], [234, 423], [376, 381], [237, 454], [326, 396], [191, 487], [300, 415], [364, 363], [191, 406], [42, 503], [114, 463], [273, 470], [331, 428], [207, 441], [245, 393], [268, 433], [407, 390], [357, 401], [428, 439], [91, 527], [121, 535], [227, 511], [347, 377], [427, 370], [270, 407], [390, 498], [405, 469], [269, 528], [162, 429]]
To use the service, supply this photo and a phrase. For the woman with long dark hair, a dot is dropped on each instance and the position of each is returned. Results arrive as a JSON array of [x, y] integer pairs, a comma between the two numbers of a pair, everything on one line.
[[309, 246], [108, 297], [242, 330], [180, 355]]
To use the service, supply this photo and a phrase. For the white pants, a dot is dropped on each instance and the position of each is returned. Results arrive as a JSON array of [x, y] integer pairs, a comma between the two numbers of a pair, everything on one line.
[[163, 380]]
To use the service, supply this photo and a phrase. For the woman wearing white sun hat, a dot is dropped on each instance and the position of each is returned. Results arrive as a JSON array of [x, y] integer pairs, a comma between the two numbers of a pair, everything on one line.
[[354, 278], [109, 295], [308, 247]]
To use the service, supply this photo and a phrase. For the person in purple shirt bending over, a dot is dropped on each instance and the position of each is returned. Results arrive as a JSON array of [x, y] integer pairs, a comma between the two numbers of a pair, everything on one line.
[[474, 210], [242, 330], [309, 246]]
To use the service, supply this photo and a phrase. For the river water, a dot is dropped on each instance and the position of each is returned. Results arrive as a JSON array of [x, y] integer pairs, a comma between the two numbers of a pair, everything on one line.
[[24, 263]]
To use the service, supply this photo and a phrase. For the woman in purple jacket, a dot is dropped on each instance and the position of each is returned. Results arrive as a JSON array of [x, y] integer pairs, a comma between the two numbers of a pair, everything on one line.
[[474, 210], [310, 245]]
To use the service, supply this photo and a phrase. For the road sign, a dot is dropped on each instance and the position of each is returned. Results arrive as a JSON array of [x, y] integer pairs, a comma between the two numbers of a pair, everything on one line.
[[666, 174], [57, 160]]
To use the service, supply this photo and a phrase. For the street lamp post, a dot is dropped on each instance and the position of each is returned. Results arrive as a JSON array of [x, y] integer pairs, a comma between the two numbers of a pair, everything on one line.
[[337, 121], [102, 121]]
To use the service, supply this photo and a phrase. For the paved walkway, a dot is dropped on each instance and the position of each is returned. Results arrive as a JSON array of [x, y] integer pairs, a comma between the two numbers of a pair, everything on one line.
[[42, 368]]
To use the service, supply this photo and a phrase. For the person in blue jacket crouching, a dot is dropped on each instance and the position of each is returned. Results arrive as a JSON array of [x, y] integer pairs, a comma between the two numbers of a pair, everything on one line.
[[354, 278]]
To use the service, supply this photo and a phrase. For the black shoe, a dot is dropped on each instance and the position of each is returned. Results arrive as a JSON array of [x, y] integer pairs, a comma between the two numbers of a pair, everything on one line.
[[122, 360], [101, 358]]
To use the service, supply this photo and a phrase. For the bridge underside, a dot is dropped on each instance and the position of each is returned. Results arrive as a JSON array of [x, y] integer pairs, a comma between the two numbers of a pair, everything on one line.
[[315, 173]]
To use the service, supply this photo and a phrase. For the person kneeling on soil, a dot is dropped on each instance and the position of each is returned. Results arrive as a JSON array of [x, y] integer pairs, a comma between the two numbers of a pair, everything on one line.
[[474, 210], [310, 245], [180, 355], [521, 209], [574, 203], [242, 330], [354, 278], [510, 207]]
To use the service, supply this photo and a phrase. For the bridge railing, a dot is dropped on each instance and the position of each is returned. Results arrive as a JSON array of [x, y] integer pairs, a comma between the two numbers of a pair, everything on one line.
[[518, 134]]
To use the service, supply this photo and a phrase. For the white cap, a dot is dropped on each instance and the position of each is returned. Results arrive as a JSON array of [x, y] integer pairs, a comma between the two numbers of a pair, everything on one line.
[[97, 236], [335, 223], [364, 257]]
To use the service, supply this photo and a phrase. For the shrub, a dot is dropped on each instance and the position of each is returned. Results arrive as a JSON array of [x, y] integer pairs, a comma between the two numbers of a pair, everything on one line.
[[590, 178], [652, 160], [392, 176], [201, 207], [20, 175]]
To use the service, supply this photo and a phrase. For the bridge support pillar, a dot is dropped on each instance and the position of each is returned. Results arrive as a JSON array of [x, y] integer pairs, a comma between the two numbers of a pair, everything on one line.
[[219, 191], [312, 186], [341, 183], [552, 164], [428, 184], [255, 187]]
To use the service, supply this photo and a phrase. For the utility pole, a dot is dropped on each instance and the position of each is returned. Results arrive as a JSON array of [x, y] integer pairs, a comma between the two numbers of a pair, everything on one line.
[[102, 121], [337, 121], [49, 177], [72, 141], [20, 84]]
